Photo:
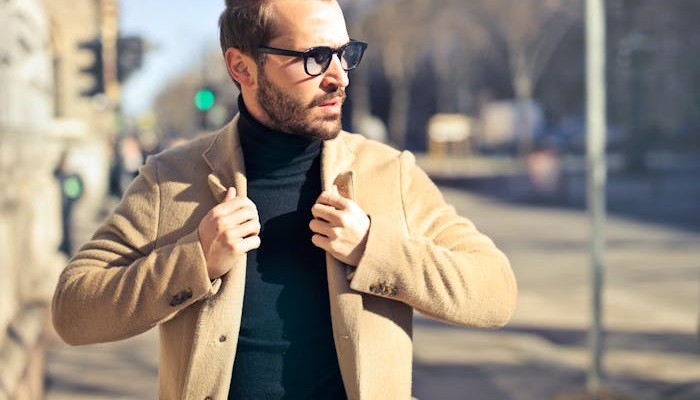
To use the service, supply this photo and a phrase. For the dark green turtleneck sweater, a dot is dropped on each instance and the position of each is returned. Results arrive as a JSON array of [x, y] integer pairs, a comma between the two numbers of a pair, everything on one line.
[[285, 347]]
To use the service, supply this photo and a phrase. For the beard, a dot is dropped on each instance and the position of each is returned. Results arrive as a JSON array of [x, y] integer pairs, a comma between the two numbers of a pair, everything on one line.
[[289, 115]]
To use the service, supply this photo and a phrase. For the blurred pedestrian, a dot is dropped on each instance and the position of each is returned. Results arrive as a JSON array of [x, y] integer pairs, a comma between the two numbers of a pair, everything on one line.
[[71, 189], [128, 158], [545, 173], [281, 256]]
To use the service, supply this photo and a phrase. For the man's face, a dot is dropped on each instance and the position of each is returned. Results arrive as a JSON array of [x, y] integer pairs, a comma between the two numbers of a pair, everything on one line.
[[291, 100], [299, 117]]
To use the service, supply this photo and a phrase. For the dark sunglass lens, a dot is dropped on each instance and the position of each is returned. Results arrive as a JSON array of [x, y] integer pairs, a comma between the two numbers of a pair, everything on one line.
[[352, 55], [317, 60]]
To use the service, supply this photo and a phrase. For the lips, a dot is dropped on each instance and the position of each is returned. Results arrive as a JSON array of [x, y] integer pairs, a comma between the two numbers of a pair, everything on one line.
[[330, 103], [331, 106], [330, 99]]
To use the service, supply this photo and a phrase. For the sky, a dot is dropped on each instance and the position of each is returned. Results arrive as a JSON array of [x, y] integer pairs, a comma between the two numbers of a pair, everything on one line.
[[179, 31]]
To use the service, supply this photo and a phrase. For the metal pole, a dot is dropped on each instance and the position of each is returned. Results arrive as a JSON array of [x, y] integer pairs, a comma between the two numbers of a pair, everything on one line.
[[596, 177]]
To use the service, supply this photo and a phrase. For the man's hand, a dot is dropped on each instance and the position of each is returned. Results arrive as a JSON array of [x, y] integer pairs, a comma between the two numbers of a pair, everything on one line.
[[229, 230], [340, 227]]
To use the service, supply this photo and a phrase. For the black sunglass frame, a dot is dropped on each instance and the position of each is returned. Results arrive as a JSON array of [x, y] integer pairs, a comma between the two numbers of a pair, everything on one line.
[[306, 54]]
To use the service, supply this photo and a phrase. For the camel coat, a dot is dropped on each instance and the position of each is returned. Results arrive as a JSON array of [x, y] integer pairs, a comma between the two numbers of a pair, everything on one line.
[[145, 267]]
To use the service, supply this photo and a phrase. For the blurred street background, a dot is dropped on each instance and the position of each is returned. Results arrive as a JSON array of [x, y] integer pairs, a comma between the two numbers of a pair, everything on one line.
[[491, 97]]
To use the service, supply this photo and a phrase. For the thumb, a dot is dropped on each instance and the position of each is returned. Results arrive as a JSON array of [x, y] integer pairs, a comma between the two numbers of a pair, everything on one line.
[[230, 194]]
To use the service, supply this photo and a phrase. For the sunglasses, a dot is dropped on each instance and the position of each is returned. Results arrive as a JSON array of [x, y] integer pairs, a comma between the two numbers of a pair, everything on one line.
[[317, 59]]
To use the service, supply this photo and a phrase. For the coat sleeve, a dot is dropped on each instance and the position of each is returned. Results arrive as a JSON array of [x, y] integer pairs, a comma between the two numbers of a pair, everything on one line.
[[121, 283], [440, 264]]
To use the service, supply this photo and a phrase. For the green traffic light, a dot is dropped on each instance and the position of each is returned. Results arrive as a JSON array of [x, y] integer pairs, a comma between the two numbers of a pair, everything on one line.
[[204, 99], [73, 187]]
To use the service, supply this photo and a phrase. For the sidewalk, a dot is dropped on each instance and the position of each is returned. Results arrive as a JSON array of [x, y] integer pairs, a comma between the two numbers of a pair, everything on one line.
[[651, 297], [650, 312], [651, 288], [126, 370]]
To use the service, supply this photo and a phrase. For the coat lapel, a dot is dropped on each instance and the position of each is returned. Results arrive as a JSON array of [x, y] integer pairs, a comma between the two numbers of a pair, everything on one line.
[[225, 158], [346, 304]]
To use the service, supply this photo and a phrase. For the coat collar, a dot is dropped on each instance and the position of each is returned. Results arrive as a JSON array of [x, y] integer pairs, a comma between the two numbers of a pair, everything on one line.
[[337, 162], [225, 158]]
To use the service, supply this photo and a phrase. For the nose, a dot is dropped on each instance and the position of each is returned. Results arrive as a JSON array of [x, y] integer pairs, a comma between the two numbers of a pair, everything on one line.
[[335, 75]]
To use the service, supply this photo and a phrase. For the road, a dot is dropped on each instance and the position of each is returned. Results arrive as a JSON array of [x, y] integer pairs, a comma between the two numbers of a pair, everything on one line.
[[651, 297]]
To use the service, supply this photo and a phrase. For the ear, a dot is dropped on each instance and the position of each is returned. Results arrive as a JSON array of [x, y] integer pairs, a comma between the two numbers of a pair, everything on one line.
[[240, 66]]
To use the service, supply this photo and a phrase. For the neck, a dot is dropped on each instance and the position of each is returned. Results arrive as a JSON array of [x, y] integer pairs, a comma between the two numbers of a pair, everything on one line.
[[268, 151]]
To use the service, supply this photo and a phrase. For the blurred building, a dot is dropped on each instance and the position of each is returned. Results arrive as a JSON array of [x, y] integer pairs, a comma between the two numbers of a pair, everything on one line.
[[42, 115]]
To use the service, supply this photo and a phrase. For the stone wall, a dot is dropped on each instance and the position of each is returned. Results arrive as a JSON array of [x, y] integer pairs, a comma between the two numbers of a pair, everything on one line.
[[41, 117], [29, 200]]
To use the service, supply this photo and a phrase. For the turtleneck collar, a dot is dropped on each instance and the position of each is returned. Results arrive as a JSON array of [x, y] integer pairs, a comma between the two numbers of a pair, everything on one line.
[[271, 153]]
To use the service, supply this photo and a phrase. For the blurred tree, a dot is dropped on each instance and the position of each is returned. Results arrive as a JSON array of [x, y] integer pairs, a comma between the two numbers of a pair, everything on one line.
[[526, 34], [654, 75], [356, 12], [177, 115], [399, 43], [456, 38]]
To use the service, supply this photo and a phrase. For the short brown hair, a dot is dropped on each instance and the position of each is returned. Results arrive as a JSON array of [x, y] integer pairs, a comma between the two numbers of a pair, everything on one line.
[[245, 24]]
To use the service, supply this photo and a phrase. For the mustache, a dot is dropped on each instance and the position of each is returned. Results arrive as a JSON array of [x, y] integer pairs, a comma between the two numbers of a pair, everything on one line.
[[339, 93]]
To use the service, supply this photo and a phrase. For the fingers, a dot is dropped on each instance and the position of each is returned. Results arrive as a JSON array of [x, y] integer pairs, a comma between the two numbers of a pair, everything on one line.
[[237, 209], [230, 194], [224, 251], [230, 204], [331, 206], [241, 239], [228, 215], [229, 230], [322, 242], [334, 199], [340, 226], [325, 212], [321, 227], [247, 244], [235, 215]]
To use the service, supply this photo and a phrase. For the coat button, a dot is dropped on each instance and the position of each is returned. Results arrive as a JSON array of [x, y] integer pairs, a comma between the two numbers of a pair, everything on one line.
[[222, 338], [181, 297], [208, 398]]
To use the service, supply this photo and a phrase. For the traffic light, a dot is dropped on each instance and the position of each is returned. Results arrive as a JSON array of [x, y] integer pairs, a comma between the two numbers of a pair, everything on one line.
[[204, 99], [129, 56], [95, 69], [72, 187]]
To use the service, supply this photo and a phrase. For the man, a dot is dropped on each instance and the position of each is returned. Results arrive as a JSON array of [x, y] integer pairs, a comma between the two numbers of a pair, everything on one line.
[[281, 257]]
